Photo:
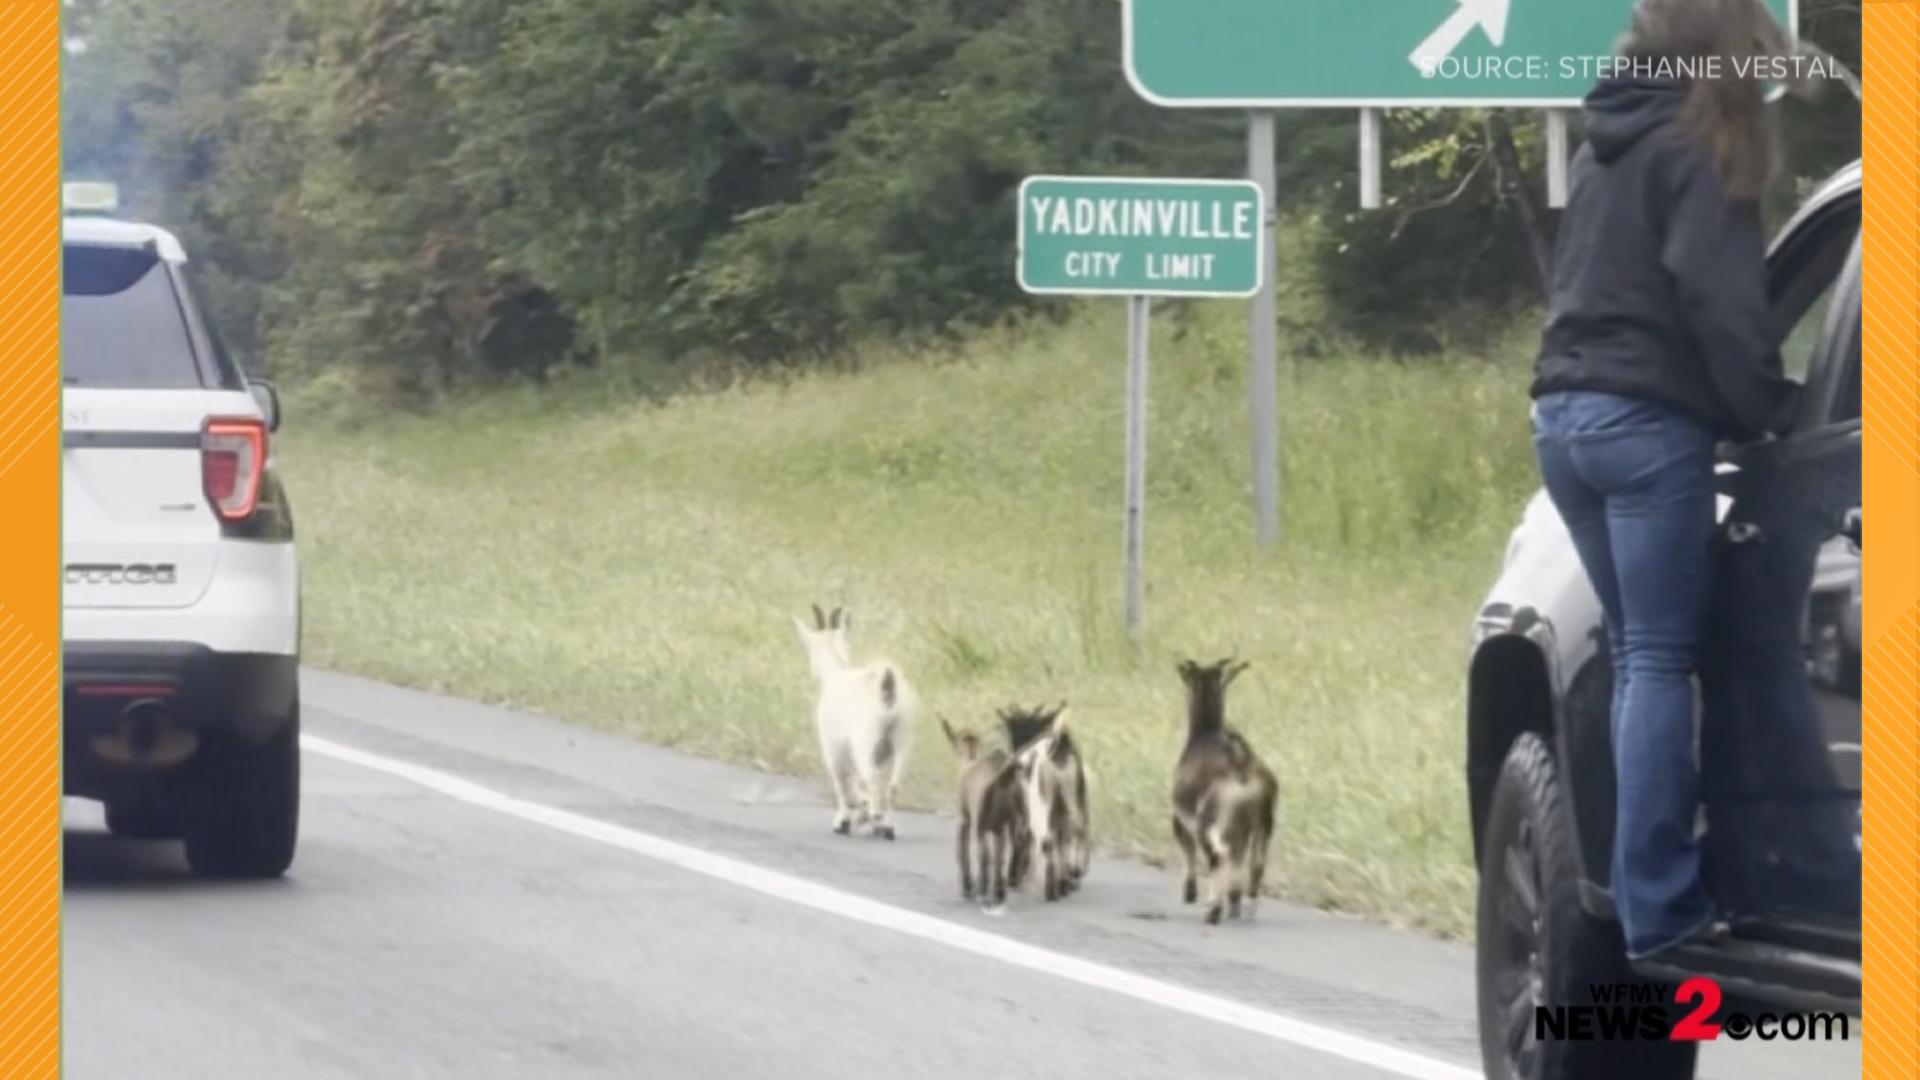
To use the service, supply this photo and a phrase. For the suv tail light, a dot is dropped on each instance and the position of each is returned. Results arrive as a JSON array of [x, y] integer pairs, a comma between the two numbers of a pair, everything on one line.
[[233, 457]]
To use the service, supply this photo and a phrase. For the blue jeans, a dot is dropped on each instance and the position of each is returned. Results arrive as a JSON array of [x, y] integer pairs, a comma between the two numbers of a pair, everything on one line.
[[1634, 482]]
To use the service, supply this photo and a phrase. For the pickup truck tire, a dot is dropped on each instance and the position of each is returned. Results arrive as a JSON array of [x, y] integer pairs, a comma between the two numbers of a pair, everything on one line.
[[246, 817], [134, 821], [1535, 945]]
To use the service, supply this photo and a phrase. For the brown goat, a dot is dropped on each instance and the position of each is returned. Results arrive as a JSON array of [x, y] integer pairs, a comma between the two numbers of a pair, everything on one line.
[[992, 816], [1223, 796], [1055, 781]]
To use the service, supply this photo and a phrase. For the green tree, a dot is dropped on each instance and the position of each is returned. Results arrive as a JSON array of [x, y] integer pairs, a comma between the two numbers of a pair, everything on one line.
[[158, 101], [424, 192]]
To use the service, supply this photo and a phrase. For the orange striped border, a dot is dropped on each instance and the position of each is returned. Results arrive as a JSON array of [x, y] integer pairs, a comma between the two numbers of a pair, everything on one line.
[[1890, 1022], [29, 580], [29, 545]]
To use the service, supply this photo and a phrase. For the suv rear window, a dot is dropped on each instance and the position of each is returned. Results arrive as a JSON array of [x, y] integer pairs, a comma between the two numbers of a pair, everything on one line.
[[121, 326]]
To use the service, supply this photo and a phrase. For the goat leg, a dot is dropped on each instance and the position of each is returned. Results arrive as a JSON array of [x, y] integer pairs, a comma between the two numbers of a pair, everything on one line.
[[1190, 891], [993, 857], [882, 804], [874, 785], [966, 862], [1082, 853], [837, 770], [1218, 869], [1019, 857], [1068, 844], [1256, 873], [898, 766]]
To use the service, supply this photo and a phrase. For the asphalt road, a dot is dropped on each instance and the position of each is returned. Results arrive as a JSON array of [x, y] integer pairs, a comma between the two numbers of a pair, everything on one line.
[[481, 893]]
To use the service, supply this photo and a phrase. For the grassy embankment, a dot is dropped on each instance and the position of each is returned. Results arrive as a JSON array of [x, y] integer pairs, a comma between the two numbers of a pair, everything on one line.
[[633, 565]]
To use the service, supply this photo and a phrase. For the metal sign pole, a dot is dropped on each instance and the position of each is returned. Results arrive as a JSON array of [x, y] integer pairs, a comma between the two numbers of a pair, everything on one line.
[[1263, 376], [1556, 158], [1369, 159], [1136, 482]]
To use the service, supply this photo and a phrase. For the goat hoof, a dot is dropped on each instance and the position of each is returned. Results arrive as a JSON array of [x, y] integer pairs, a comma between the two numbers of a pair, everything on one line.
[[842, 828], [884, 832], [1213, 917], [1191, 893]]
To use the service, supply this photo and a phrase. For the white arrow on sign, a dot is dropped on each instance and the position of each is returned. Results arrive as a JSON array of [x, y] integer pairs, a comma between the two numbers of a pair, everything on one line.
[[1488, 15]]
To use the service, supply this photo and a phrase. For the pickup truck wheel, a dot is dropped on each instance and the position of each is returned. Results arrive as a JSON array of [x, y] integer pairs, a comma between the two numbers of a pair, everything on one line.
[[133, 821], [246, 818], [1535, 945]]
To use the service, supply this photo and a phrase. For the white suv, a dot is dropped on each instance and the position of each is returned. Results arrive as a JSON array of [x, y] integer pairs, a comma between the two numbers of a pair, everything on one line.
[[181, 635]]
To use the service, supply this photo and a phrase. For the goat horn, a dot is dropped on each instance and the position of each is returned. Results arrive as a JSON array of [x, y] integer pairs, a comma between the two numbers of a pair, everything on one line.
[[833, 620], [819, 618]]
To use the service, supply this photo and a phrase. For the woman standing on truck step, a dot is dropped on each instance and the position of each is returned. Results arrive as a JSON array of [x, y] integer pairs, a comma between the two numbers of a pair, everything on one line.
[[1656, 346]]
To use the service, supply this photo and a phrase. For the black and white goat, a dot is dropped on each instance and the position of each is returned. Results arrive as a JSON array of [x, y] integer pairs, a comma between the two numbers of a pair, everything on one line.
[[992, 817], [865, 719], [1053, 783], [1223, 796]]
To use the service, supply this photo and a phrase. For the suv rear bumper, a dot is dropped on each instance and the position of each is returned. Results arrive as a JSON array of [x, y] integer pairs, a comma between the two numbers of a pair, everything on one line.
[[250, 695], [251, 605]]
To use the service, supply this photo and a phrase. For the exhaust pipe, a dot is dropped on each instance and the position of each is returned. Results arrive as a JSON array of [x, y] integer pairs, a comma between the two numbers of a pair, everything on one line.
[[147, 735]]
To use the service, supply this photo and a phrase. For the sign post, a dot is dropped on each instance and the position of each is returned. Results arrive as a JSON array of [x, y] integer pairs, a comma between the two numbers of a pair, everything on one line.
[[1370, 151], [1141, 238], [1263, 369], [1134, 544], [1369, 55], [1557, 158]]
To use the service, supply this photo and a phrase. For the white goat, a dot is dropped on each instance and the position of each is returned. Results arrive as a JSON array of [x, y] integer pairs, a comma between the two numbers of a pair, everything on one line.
[[865, 720]]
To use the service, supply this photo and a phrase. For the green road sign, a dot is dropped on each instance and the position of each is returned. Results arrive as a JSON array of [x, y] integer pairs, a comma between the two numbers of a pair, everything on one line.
[[1382, 53], [1141, 237]]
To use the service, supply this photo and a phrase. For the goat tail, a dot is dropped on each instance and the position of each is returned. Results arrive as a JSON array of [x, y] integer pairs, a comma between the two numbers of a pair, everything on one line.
[[889, 688]]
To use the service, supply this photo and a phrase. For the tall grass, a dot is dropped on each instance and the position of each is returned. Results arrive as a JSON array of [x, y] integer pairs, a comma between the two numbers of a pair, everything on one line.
[[632, 565]]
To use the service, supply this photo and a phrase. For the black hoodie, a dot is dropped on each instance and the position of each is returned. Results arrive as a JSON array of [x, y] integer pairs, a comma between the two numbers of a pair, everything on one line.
[[1659, 284]]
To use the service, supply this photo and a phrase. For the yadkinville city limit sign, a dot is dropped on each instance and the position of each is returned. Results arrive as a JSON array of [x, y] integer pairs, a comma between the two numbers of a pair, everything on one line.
[[1090, 235], [1378, 53]]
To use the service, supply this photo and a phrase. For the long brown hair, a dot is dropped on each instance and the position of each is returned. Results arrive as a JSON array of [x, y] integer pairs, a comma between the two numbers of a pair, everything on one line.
[[1713, 46]]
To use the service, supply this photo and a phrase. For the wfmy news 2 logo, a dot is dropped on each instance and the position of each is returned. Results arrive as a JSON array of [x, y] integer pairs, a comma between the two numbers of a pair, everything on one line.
[[1663, 1012]]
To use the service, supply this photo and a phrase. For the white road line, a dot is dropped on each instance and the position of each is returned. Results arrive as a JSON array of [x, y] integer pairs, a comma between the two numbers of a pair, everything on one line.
[[1354, 1048]]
